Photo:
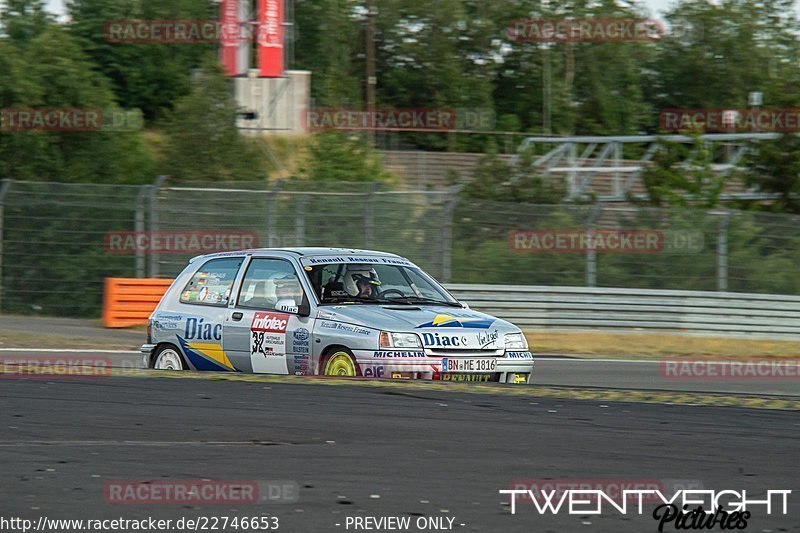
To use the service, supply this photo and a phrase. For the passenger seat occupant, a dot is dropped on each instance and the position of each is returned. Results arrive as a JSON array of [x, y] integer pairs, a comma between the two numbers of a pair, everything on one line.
[[288, 292]]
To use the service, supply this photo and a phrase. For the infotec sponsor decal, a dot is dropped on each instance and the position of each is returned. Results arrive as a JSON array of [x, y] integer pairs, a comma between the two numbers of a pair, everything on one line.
[[178, 242], [732, 369], [564, 30], [268, 334], [687, 508], [644, 241], [54, 367], [200, 492], [731, 120]]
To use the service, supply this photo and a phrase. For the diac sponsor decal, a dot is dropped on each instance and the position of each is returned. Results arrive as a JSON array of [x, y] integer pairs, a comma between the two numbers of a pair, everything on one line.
[[199, 329], [444, 341]]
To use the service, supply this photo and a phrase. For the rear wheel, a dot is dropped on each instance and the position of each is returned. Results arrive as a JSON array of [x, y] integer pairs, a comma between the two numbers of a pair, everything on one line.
[[168, 358], [340, 363]]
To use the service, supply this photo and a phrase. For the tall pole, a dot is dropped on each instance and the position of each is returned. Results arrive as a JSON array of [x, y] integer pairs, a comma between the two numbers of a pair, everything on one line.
[[370, 57]]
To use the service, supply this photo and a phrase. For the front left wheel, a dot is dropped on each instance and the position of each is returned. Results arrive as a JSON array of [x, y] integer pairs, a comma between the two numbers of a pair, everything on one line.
[[168, 358], [340, 363]]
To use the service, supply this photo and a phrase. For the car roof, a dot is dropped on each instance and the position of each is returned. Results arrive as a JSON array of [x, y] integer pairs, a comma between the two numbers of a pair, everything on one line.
[[308, 251]]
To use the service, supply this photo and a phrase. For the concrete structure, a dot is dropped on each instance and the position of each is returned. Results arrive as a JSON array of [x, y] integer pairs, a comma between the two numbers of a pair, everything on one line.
[[279, 104]]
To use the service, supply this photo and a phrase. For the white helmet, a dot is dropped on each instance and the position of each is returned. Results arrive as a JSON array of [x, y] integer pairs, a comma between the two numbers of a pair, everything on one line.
[[357, 274]]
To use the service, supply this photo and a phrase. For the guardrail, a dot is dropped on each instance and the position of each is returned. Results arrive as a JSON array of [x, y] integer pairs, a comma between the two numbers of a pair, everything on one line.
[[726, 314], [129, 302]]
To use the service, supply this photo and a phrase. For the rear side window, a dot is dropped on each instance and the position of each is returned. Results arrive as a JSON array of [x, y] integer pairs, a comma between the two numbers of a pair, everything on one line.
[[211, 285]]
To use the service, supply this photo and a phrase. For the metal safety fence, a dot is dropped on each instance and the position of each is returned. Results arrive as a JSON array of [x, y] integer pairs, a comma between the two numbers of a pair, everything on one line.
[[60, 241], [764, 316]]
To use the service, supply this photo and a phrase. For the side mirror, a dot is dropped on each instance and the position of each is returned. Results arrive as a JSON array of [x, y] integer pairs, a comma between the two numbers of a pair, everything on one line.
[[464, 305], [304, 309]]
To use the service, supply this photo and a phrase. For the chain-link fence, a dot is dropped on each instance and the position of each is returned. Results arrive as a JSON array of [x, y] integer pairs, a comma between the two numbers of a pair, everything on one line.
[[59, 241]]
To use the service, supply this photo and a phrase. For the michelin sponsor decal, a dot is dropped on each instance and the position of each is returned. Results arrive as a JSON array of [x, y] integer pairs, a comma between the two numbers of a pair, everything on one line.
[[519, 355], [380, 355]]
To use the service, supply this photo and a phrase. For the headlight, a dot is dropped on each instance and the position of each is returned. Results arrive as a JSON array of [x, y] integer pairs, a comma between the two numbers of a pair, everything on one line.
[[400, 340], [516, 341]]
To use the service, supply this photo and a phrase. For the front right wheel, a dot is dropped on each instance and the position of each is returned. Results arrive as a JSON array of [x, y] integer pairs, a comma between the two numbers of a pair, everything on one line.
[[340, 363]]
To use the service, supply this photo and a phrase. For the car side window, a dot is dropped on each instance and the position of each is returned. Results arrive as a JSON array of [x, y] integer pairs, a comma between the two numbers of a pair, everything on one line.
[[211, 284], [271, 284]]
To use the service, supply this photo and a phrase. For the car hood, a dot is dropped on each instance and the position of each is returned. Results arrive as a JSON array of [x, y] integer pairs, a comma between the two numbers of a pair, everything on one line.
[[438, 326]]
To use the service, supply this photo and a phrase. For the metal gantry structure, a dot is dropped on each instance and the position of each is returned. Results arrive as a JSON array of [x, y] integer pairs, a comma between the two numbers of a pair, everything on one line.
[[580, 159]]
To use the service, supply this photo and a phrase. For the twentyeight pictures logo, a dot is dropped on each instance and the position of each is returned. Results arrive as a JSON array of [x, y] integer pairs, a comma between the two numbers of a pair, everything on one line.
[[685, 509]]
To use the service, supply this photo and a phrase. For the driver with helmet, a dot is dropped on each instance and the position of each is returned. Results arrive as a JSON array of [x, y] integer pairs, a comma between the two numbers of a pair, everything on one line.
[[362, 283]]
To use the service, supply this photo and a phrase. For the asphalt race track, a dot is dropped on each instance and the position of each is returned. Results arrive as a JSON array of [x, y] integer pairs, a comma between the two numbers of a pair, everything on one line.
[[357, 450]]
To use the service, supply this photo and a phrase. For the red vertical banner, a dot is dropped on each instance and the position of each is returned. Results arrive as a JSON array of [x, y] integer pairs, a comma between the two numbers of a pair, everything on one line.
[[270, 38], [229, 36]]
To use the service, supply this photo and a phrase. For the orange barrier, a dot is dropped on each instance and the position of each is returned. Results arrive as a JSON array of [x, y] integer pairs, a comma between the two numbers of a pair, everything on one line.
[[129, 301]]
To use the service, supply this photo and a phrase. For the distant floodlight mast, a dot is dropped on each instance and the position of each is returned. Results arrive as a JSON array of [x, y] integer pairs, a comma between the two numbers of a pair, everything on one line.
[[239, 31]]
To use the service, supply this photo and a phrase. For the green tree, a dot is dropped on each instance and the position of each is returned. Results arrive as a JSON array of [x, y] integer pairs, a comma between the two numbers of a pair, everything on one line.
[[774, 167], [203, 141], [337, 156], [65, 80], [151, 76], [682, 175]]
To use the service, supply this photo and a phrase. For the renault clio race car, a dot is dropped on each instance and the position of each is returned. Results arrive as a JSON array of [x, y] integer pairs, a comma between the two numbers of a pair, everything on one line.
[[327, 311]]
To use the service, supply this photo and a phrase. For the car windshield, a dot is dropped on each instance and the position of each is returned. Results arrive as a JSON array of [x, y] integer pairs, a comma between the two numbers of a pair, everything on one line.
[[336, 283]]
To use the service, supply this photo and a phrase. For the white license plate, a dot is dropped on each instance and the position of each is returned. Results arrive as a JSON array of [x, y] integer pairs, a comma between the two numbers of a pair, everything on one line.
[[469, 364]]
